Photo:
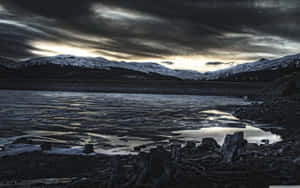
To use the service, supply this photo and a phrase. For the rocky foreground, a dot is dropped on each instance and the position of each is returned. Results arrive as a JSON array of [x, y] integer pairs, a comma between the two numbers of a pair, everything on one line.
[[234, 164]]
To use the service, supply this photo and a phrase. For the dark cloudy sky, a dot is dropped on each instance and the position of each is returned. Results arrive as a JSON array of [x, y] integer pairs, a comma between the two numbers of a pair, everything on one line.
[[188, 33]]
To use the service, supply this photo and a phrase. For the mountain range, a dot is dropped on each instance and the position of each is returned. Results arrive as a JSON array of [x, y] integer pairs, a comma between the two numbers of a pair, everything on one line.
[[72, 67]]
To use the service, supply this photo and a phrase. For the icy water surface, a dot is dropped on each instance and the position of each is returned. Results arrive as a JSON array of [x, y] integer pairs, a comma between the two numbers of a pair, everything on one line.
[[118, 122]]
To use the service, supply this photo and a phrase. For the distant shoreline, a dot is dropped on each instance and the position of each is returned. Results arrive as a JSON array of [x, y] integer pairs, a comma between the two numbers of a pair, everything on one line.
[[214, 88]]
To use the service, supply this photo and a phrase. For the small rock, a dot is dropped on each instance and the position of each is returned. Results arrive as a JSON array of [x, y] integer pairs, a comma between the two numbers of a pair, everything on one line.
[[88, 148], [265, 141], [175, 152], [137, 148], [210, 144]]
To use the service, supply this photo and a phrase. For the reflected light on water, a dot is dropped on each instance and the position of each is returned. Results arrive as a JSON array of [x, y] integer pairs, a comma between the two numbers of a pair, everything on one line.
[[218, 128], [252, 134], [220, 114]]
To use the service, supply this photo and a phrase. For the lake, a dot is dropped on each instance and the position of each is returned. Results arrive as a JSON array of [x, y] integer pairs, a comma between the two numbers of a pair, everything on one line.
[[116, 123]]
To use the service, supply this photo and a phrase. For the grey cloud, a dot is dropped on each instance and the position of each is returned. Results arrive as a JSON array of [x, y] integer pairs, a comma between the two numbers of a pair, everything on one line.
[[155, 29]]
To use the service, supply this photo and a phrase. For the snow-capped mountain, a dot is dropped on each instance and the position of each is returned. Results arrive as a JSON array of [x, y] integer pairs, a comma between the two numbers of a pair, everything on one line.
[[149, 68], [261, 65], [101, 63]]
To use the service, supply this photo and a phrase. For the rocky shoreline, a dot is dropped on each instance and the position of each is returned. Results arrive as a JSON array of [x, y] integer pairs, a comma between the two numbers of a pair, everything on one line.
[[234, 164], [279, 111]]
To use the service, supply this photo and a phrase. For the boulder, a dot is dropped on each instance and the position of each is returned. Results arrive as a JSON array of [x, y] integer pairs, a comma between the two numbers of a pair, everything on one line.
[[175, 152], [153, 168], [209, 144], [159, 167], [233, 146], [190, 145], [115, 176], [159, 157], [265, 141]]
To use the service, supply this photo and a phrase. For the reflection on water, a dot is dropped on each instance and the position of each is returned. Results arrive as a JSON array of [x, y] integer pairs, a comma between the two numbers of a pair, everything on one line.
[[252, 134], [221, 124], [118, 122]]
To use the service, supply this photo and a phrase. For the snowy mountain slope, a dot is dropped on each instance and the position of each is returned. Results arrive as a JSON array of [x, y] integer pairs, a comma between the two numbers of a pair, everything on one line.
[[264, 64], [148, 67], [101, 63]]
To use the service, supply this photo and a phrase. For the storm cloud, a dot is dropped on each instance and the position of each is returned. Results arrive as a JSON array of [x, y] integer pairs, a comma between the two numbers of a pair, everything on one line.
[[220, 30]]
